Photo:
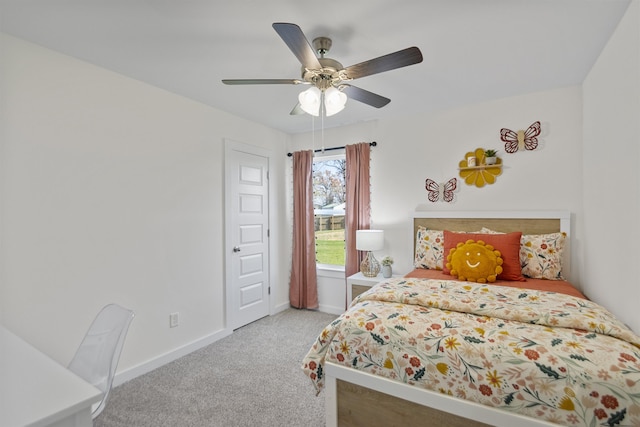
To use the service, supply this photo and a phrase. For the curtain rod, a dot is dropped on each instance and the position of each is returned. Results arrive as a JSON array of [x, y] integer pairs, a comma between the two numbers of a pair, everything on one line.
[[320, 150]]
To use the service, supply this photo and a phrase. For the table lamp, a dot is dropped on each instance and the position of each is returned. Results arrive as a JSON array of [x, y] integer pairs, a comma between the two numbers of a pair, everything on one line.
[[369, 240]]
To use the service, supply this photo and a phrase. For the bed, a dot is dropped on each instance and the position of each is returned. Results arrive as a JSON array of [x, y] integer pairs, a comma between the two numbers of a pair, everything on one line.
[[460, 353]]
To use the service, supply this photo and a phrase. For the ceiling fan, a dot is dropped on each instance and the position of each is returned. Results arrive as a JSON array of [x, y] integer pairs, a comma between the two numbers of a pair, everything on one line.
[[330, 81]]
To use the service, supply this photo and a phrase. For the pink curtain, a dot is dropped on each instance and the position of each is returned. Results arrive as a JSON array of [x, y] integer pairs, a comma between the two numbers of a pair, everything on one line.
[[303, 287], [358, 204]]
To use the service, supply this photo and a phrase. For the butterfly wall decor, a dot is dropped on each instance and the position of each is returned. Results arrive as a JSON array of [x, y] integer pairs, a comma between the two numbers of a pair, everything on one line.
[[526, 139], [443, 191]]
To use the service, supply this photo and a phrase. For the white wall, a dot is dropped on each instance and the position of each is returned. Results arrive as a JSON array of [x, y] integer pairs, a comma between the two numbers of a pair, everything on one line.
[[412, 149], [587, 164], [611, 178], [112, 191]]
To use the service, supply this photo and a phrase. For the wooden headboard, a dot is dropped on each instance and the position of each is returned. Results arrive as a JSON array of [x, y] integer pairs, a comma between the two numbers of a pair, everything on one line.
[[529, 222]]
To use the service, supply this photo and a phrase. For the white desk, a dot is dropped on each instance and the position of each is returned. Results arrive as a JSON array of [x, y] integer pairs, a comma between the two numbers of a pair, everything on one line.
[[37, 391]]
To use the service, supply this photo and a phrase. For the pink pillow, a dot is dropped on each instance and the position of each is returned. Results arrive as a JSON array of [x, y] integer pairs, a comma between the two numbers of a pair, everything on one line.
[[508, 244]]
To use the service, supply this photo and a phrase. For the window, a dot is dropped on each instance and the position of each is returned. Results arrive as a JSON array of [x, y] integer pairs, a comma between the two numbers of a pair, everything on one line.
[[329, 203]]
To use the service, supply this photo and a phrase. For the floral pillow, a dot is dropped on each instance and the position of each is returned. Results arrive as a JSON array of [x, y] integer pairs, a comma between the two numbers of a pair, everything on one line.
[[541, 255], [429, 249]]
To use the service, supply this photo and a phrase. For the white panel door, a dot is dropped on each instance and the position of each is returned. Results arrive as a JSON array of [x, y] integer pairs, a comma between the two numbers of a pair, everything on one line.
[[247, 241]]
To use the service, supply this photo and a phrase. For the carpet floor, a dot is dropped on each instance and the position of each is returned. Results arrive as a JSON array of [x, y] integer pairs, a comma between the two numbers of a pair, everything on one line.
[[251, 378]]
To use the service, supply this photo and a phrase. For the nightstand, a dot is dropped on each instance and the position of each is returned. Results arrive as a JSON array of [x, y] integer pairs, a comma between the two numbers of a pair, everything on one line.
[[359, 283]]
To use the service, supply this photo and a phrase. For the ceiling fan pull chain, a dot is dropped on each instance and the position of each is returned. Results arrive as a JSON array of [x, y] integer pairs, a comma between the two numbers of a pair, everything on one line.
[[323, 112], [313, 134]]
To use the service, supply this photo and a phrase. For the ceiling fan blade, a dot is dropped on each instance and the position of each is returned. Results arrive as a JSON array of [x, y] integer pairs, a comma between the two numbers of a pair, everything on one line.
[[298, 43], [297, 110], [401, 58], [365, 96], [262, 82]]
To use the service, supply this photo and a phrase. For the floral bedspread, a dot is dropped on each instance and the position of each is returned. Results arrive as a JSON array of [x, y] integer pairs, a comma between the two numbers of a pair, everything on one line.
[[542, 354]]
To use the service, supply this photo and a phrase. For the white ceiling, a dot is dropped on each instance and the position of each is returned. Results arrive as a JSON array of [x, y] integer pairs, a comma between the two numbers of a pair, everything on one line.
[[474, 50]]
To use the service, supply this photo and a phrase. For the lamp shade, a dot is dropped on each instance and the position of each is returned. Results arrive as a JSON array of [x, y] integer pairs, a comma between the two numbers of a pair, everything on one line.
[[310, 101], [369, 240], [334, 101]]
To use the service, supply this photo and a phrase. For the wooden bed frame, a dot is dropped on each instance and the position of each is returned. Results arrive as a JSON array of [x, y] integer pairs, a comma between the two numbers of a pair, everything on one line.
[[356, 398]]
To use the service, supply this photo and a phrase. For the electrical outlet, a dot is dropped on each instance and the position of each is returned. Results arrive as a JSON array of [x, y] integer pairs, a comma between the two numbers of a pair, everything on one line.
[[174, 319]]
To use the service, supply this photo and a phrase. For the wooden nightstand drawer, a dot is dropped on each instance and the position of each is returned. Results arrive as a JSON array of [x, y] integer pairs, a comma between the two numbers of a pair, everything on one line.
[[357, 290]]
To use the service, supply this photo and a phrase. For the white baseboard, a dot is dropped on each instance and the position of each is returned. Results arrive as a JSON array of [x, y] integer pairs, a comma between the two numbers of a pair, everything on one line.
[[325, 308], [330, 309], [280, 307], [146, 367]]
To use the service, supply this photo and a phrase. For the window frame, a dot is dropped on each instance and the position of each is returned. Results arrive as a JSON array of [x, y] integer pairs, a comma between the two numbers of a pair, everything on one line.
[[322, 158]]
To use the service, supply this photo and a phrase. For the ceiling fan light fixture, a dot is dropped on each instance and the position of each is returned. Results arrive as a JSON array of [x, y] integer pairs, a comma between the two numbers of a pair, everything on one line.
[[310, 101], [334, 101]]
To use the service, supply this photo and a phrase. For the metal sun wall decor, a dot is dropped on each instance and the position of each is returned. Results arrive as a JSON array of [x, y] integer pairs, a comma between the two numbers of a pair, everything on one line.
[[443, 191], [526, 139]]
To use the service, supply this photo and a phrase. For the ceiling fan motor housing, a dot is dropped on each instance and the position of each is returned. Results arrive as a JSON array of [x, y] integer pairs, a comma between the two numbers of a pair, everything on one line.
[[326, 76], [330, 73]]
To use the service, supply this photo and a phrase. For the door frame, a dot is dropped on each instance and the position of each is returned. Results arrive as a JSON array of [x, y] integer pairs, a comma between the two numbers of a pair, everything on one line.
[[229, 146]]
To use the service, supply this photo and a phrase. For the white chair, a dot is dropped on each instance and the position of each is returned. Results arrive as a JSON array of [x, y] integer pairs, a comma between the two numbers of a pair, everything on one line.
[[97, 357]]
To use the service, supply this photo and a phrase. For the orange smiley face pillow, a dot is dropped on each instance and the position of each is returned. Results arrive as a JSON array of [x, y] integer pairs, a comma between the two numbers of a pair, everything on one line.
[[474, 261]]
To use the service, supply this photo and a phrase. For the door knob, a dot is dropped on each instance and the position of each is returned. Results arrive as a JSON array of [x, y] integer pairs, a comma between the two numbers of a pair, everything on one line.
[[236, 249]]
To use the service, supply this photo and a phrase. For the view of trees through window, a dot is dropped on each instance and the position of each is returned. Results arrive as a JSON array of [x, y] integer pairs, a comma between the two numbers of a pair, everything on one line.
[[329, 203]]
